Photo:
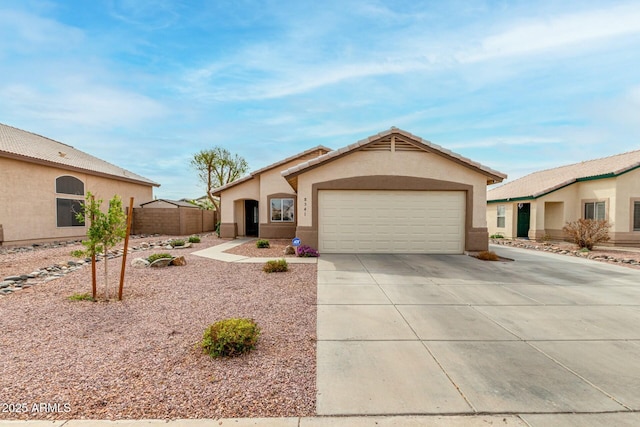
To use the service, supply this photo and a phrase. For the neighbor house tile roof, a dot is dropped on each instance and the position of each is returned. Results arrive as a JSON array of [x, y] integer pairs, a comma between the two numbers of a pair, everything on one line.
[[319, 149], [179, 203], [543, 182], [30, 147], [428, 146]]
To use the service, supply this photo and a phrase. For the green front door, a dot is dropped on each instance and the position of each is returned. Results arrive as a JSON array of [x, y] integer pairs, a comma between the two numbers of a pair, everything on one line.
[[524, 213]]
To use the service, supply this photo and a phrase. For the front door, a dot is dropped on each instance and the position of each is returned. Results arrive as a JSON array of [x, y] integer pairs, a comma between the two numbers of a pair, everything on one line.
[[251, 217], [524, 214]]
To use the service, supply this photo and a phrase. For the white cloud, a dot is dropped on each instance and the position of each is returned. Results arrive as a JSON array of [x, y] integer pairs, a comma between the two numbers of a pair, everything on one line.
[[90, 105], [505, 140], [558, 32]]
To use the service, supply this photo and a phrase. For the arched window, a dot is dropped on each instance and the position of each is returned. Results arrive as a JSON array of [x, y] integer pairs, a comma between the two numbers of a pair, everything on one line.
[[67, 208], [69, 185]]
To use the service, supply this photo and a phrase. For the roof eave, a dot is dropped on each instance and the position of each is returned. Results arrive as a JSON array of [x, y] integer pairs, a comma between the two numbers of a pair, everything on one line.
[[76, 169]]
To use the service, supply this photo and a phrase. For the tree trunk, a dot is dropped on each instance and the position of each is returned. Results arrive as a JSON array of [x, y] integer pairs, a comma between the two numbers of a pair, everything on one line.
[[106, 277]]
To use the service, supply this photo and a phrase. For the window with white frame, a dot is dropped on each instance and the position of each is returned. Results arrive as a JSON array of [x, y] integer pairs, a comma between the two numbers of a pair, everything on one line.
[[68, 207], [501, 216], [636, 216], [595, 210], [282, 210]]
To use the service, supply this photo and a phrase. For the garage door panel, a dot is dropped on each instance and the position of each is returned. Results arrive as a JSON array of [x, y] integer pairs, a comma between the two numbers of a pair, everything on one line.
[[391, 221]]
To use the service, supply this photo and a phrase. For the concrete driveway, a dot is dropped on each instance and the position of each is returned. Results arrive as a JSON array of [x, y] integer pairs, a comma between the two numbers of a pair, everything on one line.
[[450, 334]]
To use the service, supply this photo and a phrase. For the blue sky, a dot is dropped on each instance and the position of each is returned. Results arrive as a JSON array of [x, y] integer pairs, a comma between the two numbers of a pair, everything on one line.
[[516, 85]]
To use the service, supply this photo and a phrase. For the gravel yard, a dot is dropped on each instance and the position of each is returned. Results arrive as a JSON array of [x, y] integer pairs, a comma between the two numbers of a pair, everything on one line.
[[139, 358], [275, 249]]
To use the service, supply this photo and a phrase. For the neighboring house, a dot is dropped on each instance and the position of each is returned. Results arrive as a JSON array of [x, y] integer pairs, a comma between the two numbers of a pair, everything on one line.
[[541, 203], [44, 183], [391, 192]]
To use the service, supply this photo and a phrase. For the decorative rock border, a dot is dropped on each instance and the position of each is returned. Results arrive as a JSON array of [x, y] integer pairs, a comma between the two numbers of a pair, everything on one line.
[[18, 282], [557, 250]]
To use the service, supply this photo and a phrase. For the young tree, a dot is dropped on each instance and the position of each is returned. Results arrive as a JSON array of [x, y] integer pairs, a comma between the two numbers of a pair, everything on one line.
[[105, 229], [217, 167]]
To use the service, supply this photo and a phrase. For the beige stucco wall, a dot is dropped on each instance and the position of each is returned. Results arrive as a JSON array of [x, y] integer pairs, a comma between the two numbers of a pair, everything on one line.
[[259, 188], [509, 230], [28, 200], [399, 163]]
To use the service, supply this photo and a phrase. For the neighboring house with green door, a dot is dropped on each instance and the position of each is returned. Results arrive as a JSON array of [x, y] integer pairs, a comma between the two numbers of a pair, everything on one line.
[[541, 203]]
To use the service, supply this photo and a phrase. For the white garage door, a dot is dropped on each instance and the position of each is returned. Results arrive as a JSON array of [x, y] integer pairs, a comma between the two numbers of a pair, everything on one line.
[[365, 221]]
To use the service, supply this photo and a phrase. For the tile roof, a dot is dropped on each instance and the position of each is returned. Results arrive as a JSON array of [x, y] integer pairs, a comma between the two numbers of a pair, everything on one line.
[[179, 203], [30, 147], [543, 182], [216, 191], [421, 143]]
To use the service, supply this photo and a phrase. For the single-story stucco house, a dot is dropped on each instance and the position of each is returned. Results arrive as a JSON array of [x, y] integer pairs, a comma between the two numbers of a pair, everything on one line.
[[538, 205], [393, 192], [45, 181]]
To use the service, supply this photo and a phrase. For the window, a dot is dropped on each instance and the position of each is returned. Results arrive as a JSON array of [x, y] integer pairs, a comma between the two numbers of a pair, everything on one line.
[[594, 210], [69, 185], [636, 216], [67, 208], [501, 216], [282, 210]]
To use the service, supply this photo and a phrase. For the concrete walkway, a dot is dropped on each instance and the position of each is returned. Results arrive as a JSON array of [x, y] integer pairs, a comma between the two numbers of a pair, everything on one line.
[[418, 334], [218, 253]]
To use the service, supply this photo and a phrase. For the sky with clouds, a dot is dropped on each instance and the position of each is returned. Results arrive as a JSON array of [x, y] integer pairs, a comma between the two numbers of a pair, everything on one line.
[[145, 84]]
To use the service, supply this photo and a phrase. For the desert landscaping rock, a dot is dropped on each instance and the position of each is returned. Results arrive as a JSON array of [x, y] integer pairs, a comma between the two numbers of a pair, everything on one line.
[[139, 263], [601, 253], [59, 267], [159, 263], [179, 261]]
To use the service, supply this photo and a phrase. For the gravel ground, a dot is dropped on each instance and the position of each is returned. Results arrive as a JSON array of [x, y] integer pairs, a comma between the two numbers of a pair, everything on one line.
[[139, 358], [275, 249], [598, 251]]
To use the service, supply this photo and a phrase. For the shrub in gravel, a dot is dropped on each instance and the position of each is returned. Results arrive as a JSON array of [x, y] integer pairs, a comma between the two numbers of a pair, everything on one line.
[[276, 266], [81, 297], [194, 239], [488, 256], [306, 251], [586, 233], [230, 337], [262, 243], [177, 242], [154, 257]]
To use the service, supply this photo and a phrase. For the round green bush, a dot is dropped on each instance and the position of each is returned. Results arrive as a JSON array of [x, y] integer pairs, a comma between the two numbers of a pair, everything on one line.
[[230, 337], [177, 242], [262, 243], [194, 239]]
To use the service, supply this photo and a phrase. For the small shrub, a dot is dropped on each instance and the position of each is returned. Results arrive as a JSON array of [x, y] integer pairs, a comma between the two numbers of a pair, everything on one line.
[[496, 236], [307, 252], [586, 233], [194, 239], [154, 257], [262, 243], [81, 297], [230, 337], [488, 256], [177, 242], [78, 253], [276, 266], [218, 229]]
